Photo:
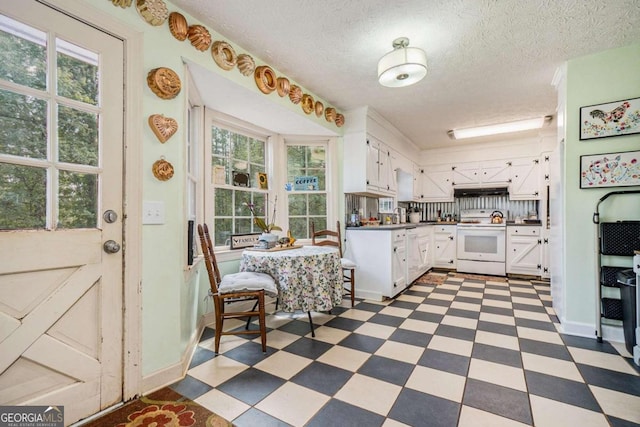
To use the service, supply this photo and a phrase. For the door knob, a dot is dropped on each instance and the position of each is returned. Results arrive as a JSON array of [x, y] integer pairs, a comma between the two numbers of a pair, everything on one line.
[[110, 216], [111, 246]]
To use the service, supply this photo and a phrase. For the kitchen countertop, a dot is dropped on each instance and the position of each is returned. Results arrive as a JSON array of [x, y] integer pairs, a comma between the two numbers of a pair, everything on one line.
[[406, 225]]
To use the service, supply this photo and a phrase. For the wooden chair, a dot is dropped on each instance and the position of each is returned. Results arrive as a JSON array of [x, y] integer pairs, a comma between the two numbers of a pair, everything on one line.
[[334, 238], [235, 287]]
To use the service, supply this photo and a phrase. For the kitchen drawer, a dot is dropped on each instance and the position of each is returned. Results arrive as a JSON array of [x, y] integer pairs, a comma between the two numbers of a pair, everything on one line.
[[399, 235], [524, 231]]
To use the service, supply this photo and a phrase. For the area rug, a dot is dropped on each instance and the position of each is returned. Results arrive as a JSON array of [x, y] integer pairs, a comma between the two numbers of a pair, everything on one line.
[[163, 408]]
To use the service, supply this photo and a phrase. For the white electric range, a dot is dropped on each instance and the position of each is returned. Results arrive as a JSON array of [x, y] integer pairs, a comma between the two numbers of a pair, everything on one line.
[[481, 244]]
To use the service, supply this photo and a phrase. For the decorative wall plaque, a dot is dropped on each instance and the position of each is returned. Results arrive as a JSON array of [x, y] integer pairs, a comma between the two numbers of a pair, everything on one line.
[[164, 82], [199, 37], [155, 12], [163, 127], [162, 169], [178, 26], [246, 64]]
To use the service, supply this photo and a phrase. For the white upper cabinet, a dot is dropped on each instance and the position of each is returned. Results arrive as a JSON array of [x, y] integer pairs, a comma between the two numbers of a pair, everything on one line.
[[491, 172], [437, 184], [495, 172], [525, 179], [368, 166]]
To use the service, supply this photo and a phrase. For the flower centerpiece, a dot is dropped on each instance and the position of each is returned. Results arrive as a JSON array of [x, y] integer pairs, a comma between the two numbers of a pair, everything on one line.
[[268, 239]]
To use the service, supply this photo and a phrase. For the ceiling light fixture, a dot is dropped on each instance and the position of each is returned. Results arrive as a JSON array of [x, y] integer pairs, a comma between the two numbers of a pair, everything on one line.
[[497, 129], [403, 66]]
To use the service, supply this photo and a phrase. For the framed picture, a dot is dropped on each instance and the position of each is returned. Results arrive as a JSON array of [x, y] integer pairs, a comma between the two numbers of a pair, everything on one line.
[[218, 174], [263, 183], [611, 119], [241, 179], [610, 170], [239, 241]]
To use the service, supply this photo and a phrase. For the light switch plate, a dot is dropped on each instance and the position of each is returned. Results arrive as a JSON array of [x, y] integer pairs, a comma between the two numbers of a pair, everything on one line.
[[152, 212]]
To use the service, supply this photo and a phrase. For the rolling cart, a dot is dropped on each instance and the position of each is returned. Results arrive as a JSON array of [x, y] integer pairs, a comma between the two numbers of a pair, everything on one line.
[[618, 238]]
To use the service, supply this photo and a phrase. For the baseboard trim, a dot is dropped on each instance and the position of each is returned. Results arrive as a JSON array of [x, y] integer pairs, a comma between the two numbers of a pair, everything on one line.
[[609, 332]]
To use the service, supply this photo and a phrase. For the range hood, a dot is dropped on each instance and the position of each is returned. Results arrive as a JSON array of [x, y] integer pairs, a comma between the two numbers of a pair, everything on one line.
[[480, 192]]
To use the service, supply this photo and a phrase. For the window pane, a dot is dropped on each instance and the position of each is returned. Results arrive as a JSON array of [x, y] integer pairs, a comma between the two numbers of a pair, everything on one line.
[[316, 157], [298, 227], [24, 54], [77, 72], [317, 204], [240, 206], [322, 179], [23, 125], [77, 136], [239, 147], [78, 199], [319, 222], [224, 205], [295, 157], [243, 225], [221, 142], [257, 151], [23, 195], [297, 204], [222, 231]]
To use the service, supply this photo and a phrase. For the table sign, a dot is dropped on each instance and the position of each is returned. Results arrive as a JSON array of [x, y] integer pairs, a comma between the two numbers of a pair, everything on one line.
[[239, 241]]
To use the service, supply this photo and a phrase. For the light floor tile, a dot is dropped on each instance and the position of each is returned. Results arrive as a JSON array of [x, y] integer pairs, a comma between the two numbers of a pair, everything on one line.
[[519, 282], [462, 322], [278, 339], [222, 404], [497, 340], [422, 288], [283, 364], [400, 351], [497, 303], [376, 330], [465, 306], [550, 311], [502, 292], [276, 320], [438, 383], [550, 366], [598, 359], [419, 326], [217, 370], [388, 422], [621, 349], [472, 417], [376, 302], [526, 301], [410, 298], [356, 314], [436, 309], [227, 342], [443, 297], [539, 335], [550, 413], [497, 318], [369, 393], [448, 286], [619, 405], [455, 279], [495, 373], [531, 315], [497, 283], [451, 345], [396, 311], [328, 334], [473, 285], [344, 357], [469, 294], [293, 404], [317, 317], [545, 297]]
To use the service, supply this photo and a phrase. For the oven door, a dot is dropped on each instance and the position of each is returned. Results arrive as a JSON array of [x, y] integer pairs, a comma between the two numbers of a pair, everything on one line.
[[481, 243]]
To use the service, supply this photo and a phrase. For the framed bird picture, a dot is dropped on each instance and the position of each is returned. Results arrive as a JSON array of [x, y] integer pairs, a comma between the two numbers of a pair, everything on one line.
[[611, 119]]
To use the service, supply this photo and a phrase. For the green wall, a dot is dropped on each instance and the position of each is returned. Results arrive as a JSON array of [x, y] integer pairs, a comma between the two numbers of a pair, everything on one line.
[[600, 78]]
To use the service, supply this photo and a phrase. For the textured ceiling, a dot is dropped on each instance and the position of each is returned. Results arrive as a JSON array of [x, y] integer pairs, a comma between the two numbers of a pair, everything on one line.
[[489, 61]]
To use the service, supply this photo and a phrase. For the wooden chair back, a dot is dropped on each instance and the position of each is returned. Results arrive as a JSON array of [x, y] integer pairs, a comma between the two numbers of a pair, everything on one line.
[[327, 237], [209, 257]]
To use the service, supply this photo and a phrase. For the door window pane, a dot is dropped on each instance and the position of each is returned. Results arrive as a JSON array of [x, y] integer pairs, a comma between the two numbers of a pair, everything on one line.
[[77, 72], [77, 136], [23, 195], [24, 54], [23, 125], [78, 195]]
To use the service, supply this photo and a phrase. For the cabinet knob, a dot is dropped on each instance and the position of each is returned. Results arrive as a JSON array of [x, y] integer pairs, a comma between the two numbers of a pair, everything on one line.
[[450, 237]]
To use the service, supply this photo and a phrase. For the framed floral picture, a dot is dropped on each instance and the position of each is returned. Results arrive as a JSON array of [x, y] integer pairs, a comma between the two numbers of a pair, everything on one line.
[[610, 170], [611, 119]]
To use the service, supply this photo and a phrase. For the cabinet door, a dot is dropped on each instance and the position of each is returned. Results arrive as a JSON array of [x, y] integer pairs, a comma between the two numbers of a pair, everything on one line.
[[414, 256], [399, 269], [373, 162], [525, 179], [436, 184], [444, 248], [466, 173], [495, 172], [424, 245], [418, 179], [387, 169], [524, 250]]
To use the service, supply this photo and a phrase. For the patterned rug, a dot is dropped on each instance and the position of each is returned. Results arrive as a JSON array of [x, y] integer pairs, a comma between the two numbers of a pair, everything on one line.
[[163, 408], [437, 278]]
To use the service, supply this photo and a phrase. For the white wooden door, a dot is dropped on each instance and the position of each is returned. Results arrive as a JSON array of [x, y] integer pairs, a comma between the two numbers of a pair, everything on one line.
[[61, 169]]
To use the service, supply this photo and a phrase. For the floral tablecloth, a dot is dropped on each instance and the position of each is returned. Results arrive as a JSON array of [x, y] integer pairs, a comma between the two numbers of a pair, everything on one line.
[[308, 278]]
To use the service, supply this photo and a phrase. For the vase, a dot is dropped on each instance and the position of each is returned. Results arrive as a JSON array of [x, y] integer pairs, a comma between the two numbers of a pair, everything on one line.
[[268, 240]]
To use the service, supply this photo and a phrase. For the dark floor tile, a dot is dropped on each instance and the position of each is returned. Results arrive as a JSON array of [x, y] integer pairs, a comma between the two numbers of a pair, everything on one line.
[[406, 336], [529, 307], [251, 385], [547, 303], [554, 318], [516, 293], [389, 370], [468, 314], [418, 409], [308, 347], [323, 378], [544, 349], [337, 412], [471, 280], [448, 362], [613, 380], [438, 302], [249, 353], [561, 390], [505, 298], [452, 282], [495, 287], [254, 417], [344, 323], [296, 327], [588, 344], [535, 324], [617, 422], [385, 319], [499, 355], [455, 332], [404, 304], [337, 311], [367, 306], [190, 387], [362, 343], [439, 290], [497, 310], [201, 355], [467, 288], [207, 333], [467, 300], [497, 328], [499, 400], [416, 293], [426, 316]]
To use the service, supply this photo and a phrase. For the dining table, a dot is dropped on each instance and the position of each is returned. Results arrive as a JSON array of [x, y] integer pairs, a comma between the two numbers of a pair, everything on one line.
[[309, 278]]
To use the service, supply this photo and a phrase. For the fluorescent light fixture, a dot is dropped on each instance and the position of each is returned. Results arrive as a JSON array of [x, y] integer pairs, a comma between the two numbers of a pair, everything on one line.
[[403, 66], [499, 128]]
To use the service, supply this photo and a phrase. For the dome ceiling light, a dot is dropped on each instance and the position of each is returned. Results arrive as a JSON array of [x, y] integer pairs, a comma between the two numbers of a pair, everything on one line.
[[403, 66]]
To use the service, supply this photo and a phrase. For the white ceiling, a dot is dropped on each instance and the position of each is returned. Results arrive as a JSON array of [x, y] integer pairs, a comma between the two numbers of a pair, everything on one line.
[[489, 61]]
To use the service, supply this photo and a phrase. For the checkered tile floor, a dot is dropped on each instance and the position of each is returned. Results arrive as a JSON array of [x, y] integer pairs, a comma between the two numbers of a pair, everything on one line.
[[467, 352]]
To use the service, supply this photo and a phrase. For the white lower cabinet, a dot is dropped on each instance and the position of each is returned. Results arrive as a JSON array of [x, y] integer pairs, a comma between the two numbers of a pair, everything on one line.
[[381, 259], [444, 246], [524, 250], [419, 251]]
